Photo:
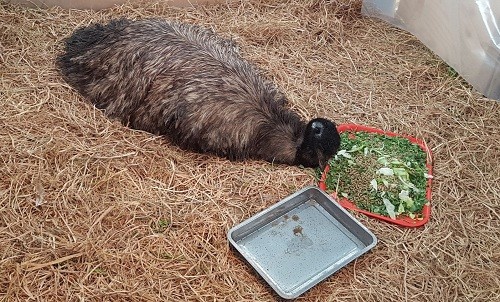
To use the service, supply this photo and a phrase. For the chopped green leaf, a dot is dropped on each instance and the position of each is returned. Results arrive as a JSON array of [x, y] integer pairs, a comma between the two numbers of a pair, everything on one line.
[[403, 195], [389, 207], [385, 171], [401, 208], [385, 182], [355, 148], [401, 172], [383, 160], [344, 154]]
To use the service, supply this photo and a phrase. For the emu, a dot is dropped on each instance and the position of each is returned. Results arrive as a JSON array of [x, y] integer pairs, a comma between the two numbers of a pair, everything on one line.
[[191, 86]]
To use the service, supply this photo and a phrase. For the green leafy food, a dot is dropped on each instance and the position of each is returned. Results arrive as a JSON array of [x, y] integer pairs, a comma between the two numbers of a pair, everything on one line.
[[379, 173]]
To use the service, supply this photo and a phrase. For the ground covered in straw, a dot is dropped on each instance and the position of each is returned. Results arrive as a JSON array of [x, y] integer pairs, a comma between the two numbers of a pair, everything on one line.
[[93, 211]]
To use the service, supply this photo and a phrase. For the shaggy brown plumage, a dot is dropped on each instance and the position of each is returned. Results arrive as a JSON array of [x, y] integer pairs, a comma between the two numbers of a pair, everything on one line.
[[186, 83]]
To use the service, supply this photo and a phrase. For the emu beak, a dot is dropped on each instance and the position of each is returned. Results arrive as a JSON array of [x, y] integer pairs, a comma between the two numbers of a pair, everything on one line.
[[323, 161]]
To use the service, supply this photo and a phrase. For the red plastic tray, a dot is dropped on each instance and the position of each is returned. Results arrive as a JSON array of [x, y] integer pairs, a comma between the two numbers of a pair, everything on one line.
[[400, 220]]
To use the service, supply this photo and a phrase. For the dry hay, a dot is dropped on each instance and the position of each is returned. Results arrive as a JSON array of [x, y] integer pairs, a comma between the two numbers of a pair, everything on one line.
[[92, 211]]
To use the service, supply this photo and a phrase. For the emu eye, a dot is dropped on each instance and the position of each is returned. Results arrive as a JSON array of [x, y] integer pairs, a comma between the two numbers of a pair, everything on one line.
[[317, 128]]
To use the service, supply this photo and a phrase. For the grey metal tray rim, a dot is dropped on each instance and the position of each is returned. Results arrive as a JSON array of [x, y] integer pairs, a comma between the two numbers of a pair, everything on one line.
[[331, 269]]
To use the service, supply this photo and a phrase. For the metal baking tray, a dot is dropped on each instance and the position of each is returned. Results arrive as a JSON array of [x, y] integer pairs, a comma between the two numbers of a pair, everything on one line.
[[300, 241]]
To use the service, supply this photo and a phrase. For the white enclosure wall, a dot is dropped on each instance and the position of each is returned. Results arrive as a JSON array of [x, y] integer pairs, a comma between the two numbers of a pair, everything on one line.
[[464, 33]]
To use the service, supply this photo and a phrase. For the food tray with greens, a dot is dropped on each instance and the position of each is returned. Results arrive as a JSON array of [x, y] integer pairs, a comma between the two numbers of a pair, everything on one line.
[[381, 174]]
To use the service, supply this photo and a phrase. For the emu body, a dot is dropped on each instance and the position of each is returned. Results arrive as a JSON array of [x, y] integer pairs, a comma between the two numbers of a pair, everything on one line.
[[191, 86]]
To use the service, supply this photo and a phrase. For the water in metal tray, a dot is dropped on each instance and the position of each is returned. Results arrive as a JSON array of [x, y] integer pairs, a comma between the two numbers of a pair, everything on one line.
[[300, 245]]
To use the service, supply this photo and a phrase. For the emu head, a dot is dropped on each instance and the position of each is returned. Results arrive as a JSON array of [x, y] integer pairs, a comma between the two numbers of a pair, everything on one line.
[[321, 142]]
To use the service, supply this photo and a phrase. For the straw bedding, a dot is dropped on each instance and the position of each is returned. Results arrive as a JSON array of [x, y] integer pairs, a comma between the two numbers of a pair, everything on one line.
[[93, 211]]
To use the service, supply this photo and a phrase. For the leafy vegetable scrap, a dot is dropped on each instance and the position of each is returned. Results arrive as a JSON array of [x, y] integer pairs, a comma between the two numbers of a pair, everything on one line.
[[382, 174]]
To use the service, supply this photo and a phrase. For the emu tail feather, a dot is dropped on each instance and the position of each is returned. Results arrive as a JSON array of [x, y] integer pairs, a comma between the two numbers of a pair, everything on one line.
[[74, 63]]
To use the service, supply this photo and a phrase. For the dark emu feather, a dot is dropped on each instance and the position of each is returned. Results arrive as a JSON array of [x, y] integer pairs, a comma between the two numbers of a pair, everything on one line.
[[191, 86]]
